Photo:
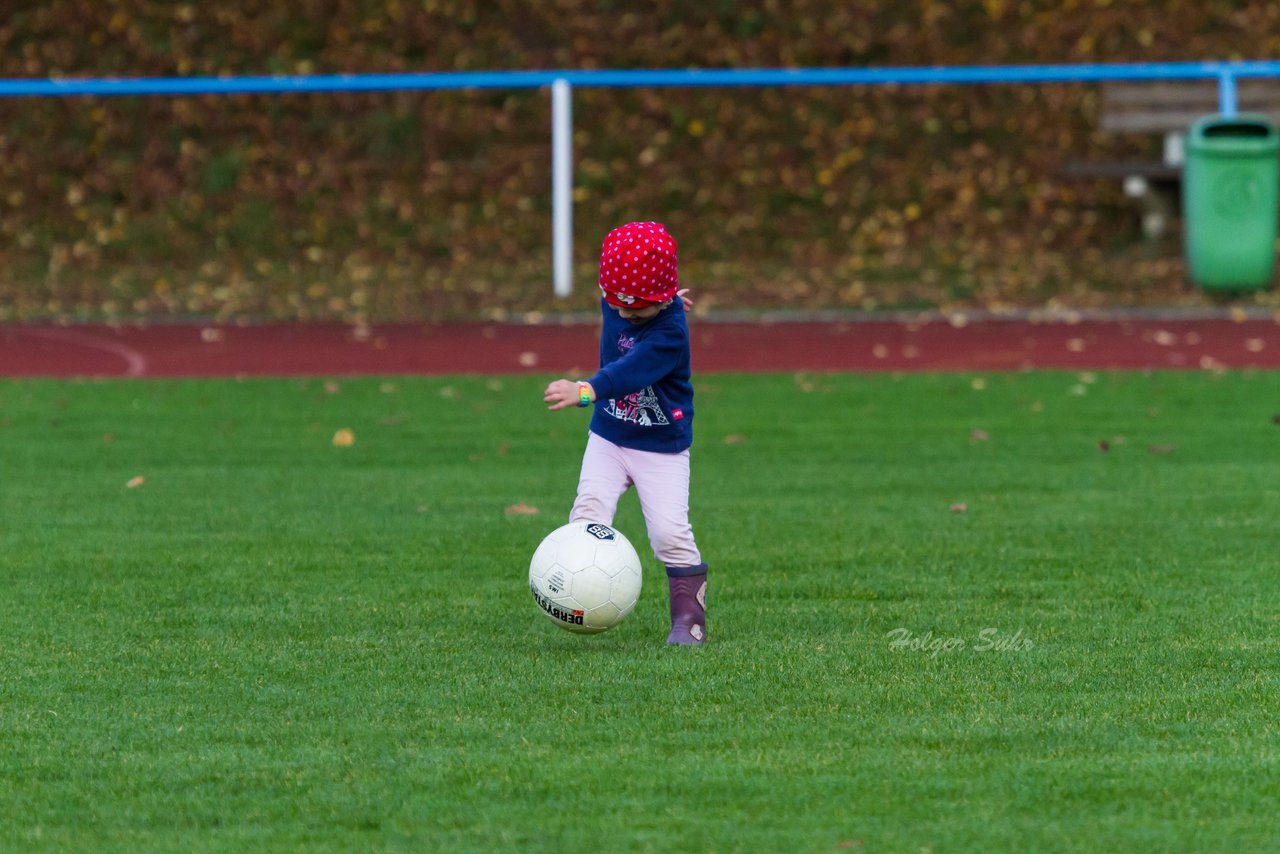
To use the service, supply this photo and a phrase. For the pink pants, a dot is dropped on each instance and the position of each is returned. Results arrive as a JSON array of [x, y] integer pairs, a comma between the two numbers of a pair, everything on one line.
[[662, 484]]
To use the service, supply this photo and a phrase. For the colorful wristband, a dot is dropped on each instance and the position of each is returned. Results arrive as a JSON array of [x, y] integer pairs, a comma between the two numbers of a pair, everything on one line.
[[584, 394]]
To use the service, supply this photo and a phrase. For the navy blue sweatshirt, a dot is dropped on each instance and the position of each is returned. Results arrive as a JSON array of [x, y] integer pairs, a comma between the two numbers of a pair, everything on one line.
[[644, 399]]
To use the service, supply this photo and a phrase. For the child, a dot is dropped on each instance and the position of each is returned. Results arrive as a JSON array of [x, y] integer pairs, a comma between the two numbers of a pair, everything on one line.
[[642, 424]]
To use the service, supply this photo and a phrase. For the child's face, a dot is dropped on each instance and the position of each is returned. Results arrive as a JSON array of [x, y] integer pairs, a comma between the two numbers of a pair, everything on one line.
[[640, 315]]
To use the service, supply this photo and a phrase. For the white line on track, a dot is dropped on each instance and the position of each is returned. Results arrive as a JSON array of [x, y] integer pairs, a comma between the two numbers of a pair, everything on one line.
[[135, 362]]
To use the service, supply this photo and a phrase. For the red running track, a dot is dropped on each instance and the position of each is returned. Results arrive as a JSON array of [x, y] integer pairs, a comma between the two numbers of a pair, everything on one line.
[[933, 344]]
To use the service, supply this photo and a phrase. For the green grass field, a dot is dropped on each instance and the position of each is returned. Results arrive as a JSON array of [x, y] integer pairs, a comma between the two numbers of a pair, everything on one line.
[[275, 643]]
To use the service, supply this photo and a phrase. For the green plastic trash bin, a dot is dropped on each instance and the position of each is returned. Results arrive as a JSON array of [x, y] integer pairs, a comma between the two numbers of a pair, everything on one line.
[[1230, 201]]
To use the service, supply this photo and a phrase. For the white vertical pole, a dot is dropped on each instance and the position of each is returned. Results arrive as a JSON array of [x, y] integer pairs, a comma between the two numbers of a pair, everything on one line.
[[562, 186]]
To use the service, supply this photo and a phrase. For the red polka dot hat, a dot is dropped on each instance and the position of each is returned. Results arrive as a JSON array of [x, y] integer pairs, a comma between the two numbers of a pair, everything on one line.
[[638, 265]]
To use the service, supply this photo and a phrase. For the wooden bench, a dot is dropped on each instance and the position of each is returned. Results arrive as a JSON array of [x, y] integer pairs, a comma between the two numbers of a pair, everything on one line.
[[1167, 107]]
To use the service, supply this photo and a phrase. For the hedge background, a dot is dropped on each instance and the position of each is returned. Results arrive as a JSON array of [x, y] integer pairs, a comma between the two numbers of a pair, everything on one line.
[[410, 206]]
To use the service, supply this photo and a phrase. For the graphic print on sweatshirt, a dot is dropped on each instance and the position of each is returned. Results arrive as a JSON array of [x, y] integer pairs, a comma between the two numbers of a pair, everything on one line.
[[639, 407]]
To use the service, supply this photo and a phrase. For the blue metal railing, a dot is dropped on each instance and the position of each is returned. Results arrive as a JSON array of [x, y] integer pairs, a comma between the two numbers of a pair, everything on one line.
[[1226, 73], [561, 83]]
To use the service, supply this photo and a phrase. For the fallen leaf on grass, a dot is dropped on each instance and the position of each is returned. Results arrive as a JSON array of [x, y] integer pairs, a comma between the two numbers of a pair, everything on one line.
[[734, 439], [1162, 449], [332, 387], [344, 438], [959, 507], [1104, 445], [135, 482], [522, 509], [979, 435]]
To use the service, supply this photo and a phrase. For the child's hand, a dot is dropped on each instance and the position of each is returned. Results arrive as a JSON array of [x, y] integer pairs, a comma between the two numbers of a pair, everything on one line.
[[564, 393], [688, 301]]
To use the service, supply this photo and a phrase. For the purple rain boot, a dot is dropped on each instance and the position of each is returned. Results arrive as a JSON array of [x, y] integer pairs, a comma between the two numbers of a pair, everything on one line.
[[688, 604]]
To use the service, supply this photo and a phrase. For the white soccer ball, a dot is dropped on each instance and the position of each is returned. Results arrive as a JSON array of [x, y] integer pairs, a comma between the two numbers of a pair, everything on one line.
[[585, 577]]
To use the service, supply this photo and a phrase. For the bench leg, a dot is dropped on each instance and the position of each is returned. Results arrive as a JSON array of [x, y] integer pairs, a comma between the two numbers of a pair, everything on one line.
[[1156, 205]]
